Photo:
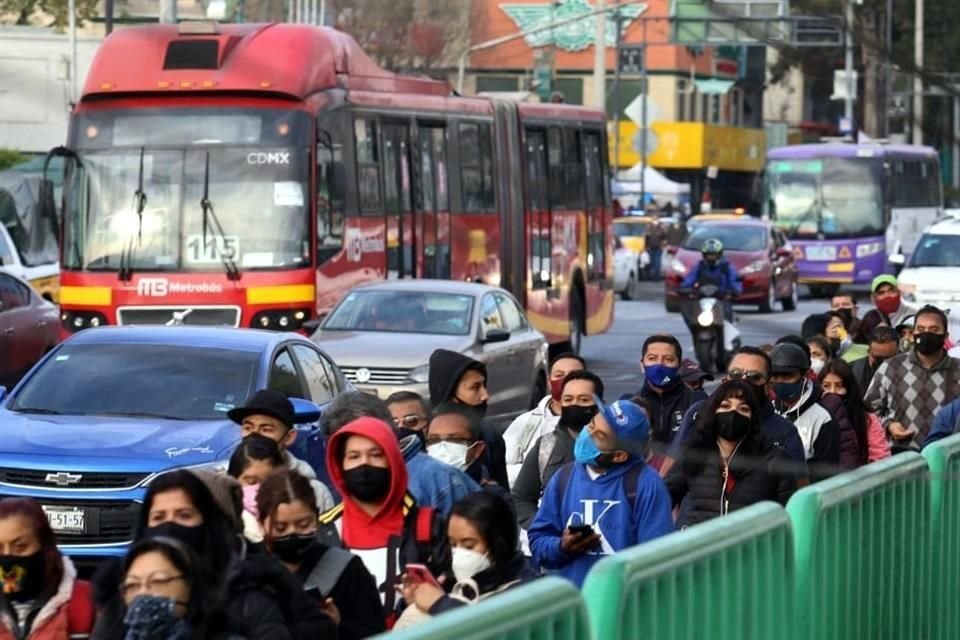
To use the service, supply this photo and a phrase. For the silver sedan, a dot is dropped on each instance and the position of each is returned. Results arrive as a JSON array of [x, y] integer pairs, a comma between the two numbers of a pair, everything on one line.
[[381, 336]]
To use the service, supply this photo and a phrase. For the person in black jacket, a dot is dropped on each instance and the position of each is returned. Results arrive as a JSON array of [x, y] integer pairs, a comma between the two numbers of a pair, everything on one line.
[[729, 463], [251, 592], [883, 344], [457, 378], [554, 450], [664, 391], [336, 578]]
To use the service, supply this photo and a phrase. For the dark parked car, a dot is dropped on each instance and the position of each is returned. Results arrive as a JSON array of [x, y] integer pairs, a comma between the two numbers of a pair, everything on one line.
[[29, 327]]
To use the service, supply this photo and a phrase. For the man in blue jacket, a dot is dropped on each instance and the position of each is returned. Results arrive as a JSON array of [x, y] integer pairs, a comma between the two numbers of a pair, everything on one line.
[[607, 500], [946, 422], [716, 270]]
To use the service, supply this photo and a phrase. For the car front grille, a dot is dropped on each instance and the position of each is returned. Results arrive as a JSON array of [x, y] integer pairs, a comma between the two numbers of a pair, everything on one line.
[[34, 478], [107, 521], [186, 315], [376, 376]]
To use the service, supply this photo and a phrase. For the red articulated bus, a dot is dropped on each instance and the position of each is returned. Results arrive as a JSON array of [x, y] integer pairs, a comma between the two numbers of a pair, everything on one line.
[[250, 175]]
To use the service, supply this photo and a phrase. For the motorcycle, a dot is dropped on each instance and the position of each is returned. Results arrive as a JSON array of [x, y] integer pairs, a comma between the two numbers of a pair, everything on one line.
[[715, 337]]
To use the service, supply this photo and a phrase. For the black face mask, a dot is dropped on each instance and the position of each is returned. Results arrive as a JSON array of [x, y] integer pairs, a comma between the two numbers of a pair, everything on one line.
[[835, 345], [477, 411], [367, 483], [576, 417], [193, 537], [846, 315], [403, 433], [732, 426], [929, 343], [23, 576], [293, 548]]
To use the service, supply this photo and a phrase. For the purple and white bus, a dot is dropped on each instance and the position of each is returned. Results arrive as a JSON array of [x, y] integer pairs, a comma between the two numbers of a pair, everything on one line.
[[851, 211]]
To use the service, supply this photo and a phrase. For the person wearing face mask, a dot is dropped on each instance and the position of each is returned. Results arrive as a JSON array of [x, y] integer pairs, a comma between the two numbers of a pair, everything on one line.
[[839, 338], [837, 378], [455, 439], [571, 530], [829, 442], [485, 561], [555, 449], [908, 389], [889, 307], [523, 432], [666, 392], [333, 576], [253, 591], [378, 519], [729, 463], [41, 598], [254, 459], [883, 344], [819, 352], [454, 377]]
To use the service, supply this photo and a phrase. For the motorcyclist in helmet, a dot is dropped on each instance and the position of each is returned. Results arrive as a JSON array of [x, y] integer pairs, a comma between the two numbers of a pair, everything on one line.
[[716, 270]]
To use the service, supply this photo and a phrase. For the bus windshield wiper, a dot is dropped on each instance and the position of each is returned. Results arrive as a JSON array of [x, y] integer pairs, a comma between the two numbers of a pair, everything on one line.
[[139, 204], [209, 215]]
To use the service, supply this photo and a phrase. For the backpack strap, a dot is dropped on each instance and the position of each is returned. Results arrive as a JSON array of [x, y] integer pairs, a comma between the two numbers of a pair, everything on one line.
[[544, 450], [80, 609], [565, 473], [630, 480], [326, 574]]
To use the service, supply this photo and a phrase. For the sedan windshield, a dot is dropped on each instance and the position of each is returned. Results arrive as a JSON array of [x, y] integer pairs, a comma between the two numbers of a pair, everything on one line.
[[158, 380], [735, 237], [403, 312], [937, 251], [629, 229]]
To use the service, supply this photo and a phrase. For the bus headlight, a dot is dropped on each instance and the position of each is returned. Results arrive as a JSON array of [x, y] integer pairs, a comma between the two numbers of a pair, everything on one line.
[[74, 321], [281, 320]]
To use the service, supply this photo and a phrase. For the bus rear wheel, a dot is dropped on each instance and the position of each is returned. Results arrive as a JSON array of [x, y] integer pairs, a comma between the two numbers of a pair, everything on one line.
[[576, 322]]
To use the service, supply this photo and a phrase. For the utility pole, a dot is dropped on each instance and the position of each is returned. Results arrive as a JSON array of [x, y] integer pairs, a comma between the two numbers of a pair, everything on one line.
[[888, 70], [72, 27], [108, 16], [917, 78], [600, 57], [168, 11], [848, 69], [643, 117]]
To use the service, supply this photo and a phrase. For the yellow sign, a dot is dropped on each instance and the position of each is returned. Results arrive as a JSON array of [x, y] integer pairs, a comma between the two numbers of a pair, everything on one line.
[[692, 145]]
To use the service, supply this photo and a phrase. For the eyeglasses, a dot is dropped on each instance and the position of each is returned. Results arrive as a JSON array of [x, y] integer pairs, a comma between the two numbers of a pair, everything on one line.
[[753, 377], [153, 581], [410, 421]]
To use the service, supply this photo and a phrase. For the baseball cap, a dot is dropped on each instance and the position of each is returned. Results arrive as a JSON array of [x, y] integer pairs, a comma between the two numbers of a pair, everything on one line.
[[628, 421], [690, 371], [884, 279]]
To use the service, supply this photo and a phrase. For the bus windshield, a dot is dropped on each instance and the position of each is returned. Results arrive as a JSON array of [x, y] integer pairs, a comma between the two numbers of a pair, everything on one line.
[[259, 195], [835, 197]]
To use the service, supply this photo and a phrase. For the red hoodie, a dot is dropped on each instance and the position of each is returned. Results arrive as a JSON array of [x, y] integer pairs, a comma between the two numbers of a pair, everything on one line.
[[360, 530]]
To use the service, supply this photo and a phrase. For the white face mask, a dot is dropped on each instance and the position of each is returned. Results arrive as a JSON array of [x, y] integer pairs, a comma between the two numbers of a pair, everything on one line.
[[451, 453], [467, 563], [817, 365]]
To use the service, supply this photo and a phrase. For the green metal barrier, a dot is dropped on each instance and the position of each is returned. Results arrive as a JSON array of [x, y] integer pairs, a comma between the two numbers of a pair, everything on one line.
[[862, 553], [730, 578], [944, 460], [546, 609]]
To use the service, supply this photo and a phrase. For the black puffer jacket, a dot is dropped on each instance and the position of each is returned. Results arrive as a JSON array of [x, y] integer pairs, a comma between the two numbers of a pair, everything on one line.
[[758, 471], [669, 407]]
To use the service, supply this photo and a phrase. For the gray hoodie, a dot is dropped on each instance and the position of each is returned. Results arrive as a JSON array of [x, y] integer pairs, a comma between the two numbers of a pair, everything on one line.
[[324, 497]]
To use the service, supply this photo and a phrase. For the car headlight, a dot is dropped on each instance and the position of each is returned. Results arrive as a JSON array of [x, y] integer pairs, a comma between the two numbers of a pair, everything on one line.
[[754, 267], [677, 266], [216, 466], [419, 374], [705, 319]]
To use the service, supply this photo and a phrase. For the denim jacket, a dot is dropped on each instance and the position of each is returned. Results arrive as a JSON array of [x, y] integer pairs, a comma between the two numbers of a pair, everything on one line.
[[432, 482]]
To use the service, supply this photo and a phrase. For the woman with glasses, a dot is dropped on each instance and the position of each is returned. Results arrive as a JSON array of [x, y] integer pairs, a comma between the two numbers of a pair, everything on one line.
[[729, 463], [41, 597]]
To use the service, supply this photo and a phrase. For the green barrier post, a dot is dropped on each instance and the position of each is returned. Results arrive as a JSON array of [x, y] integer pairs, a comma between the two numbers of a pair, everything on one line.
[[862, 553], [729, 578], [545, 609], [944, 460]]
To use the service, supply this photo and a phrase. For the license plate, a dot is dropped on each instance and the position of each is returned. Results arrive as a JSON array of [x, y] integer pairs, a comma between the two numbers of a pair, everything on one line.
[[821, 253], [66, 519]]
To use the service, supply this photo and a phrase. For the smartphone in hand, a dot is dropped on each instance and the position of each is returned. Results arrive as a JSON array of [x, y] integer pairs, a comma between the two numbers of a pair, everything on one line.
[[583, 530], [421, 574]]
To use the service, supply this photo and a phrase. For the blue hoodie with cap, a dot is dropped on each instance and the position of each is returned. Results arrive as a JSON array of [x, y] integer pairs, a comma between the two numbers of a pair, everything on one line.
[[602, 503]]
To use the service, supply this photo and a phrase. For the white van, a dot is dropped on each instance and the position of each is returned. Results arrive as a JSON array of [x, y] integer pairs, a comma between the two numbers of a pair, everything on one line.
[[932, 274]]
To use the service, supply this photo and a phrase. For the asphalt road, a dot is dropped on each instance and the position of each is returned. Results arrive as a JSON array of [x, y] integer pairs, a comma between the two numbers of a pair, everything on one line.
[[615, 355]]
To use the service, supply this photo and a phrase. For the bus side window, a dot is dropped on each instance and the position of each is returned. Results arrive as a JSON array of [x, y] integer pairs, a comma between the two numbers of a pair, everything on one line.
[[593, 164], [331, 177], [555, 169], [572, 168], [476, 167], [368, 165]]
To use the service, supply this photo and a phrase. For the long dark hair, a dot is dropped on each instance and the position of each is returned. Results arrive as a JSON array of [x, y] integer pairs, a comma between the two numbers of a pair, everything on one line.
[[284, 486], [495, 521], [202, 601], [31, 511], [853, 401], [703, 443], [219, 541]]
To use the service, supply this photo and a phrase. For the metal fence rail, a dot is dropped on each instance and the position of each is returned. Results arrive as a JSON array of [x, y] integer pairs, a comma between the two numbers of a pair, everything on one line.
[[943, 459]]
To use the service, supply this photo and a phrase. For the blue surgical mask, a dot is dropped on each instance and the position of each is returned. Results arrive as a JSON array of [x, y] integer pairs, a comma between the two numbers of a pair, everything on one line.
[[585, 450], [660, 375], [788, 391]]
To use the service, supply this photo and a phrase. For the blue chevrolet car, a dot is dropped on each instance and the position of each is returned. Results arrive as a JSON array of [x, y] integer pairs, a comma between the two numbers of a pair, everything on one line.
[[110, 409]]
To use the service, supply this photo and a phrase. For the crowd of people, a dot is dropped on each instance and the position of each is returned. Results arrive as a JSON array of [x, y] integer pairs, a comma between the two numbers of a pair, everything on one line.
[[421, 506]]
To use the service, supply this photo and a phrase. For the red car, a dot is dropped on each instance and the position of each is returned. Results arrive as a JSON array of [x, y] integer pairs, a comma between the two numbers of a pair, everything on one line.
[[29, 327], [759, 252]]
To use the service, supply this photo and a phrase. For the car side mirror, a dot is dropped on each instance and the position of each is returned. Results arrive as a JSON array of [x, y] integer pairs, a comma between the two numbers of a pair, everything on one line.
[[311, 326], [496, 335], [304, 411], [897, 259]]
